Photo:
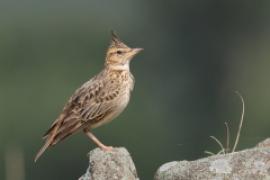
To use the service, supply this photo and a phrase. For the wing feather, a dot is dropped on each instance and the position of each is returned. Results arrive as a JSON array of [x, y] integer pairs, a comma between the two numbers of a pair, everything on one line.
[[89, 104]]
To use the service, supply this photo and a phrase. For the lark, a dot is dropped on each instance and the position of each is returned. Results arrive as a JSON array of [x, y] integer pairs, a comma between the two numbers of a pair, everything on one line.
[[98, 101]]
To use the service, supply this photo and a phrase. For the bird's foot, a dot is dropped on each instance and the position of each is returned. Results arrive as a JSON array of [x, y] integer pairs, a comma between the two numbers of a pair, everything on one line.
[[106, 148]]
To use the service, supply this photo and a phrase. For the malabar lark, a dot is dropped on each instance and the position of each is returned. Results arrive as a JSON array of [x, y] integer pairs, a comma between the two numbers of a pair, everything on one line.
[[98, 101]]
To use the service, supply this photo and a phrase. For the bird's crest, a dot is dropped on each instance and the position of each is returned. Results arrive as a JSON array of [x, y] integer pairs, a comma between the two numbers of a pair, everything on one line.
[[116, 42]]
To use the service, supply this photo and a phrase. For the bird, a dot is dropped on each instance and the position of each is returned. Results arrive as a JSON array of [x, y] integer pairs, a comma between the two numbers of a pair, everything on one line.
[[98, 101]]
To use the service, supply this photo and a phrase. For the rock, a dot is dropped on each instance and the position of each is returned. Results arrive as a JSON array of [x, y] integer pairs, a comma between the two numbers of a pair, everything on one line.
[[250, 164], [265, 143], [115, 165]]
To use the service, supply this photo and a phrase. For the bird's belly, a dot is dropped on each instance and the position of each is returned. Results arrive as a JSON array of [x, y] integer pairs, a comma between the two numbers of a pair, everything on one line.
[[115, 111]]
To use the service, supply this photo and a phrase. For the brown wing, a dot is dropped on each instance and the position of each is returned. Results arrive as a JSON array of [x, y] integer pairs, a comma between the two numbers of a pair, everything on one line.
[[88, 104]]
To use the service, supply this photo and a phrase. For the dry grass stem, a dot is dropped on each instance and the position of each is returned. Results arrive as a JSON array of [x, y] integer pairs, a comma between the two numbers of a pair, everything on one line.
[[227, 138], [227, 150], [241, 122]]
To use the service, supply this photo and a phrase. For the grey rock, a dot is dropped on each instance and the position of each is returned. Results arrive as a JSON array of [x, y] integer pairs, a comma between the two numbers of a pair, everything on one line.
[[249, 164], [115, 165], [265, 143]]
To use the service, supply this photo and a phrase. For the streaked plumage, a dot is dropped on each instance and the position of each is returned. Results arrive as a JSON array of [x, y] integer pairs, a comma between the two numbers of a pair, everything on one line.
[[99, 100]]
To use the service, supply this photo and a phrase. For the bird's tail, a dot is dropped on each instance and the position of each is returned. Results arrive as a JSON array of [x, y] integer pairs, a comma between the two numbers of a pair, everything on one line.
[[42, 150], [49, 141]]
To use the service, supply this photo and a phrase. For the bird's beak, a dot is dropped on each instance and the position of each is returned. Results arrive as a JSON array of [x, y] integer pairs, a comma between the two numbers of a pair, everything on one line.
[[135, 51]]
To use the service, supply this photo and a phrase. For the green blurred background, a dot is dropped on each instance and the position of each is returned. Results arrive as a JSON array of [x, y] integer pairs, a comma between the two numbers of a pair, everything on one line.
[[197, 53]]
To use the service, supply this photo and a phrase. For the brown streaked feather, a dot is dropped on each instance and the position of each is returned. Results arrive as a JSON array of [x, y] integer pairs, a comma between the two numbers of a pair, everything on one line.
[[88, 105], [45, 135], [58, 129], [67, 131], [59, 121], [48, 142]]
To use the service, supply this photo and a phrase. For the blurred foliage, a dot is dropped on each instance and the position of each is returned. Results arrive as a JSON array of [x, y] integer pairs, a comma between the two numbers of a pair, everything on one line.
[[197, 53]]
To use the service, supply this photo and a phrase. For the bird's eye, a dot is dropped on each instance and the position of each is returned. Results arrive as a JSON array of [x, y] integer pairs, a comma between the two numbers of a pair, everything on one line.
[[119, 52]]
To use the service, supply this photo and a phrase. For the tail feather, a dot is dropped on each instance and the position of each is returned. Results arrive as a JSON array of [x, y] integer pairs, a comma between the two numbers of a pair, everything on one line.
[[42, 150], [50, 138], [58, 132], [64, 133], [46, 134]]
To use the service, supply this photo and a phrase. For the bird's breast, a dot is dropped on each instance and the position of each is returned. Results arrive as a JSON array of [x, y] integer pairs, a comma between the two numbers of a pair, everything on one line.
[[116, 109], [119, 103]]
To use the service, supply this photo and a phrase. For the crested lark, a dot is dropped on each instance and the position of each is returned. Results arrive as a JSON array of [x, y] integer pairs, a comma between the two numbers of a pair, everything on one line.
[[98, 101]]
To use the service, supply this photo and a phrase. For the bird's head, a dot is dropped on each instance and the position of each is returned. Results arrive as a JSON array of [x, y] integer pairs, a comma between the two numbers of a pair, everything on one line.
[[119, 54]]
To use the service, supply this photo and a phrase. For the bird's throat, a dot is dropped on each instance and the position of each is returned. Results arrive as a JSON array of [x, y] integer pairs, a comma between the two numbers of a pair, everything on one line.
[[119, 67]]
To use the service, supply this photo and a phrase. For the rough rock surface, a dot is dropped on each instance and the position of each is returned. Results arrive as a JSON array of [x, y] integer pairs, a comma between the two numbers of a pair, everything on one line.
[[115, 165], [249, 164]]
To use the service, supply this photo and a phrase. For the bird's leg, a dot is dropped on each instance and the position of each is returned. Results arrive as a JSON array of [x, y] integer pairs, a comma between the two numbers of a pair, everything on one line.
[[96, 141]]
